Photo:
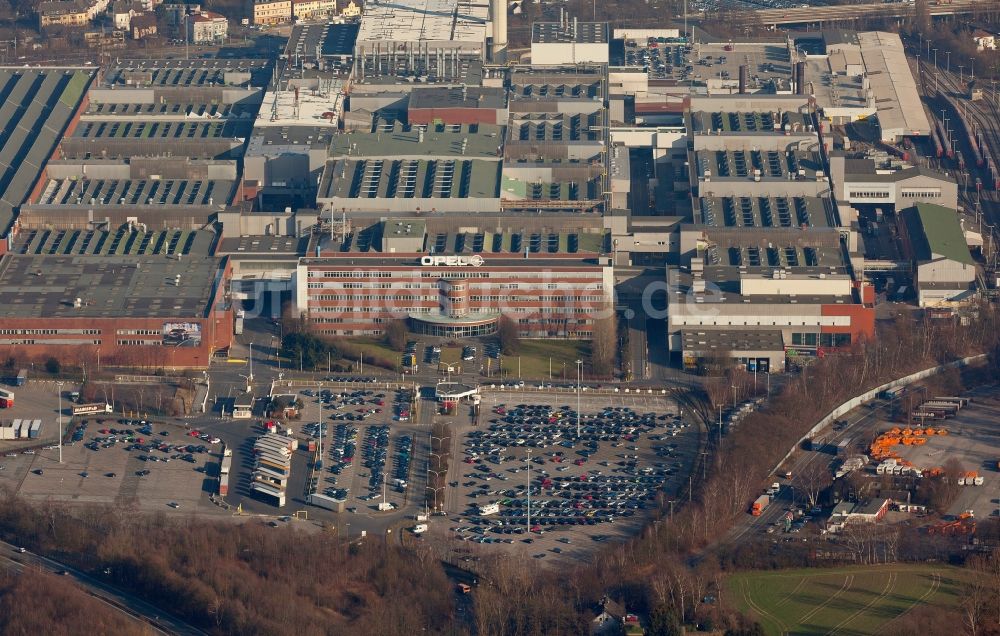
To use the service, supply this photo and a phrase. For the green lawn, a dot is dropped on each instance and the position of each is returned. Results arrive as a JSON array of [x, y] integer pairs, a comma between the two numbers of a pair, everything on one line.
[[372, 348], [849, 600], [534, 359]]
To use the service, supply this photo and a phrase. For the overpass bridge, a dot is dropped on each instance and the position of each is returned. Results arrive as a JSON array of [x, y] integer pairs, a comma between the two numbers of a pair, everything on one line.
[[850, 12]]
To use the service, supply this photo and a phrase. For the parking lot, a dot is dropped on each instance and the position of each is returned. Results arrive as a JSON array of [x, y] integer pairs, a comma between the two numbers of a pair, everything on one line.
[[631, 452], [101, 466], [973, 440], [37, 400]]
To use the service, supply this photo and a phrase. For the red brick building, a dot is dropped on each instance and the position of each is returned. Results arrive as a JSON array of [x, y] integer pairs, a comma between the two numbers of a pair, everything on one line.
[[160, 311]]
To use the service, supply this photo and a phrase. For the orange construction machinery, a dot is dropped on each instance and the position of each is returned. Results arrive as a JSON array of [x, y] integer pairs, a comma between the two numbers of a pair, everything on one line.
[[882, 448], [964, 524]]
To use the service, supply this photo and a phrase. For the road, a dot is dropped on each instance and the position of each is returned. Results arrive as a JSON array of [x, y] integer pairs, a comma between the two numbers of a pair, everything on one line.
[[128, 604], [801, 460]]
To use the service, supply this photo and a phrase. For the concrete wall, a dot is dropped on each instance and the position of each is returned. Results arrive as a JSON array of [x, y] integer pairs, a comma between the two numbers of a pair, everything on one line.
[[858, 400]]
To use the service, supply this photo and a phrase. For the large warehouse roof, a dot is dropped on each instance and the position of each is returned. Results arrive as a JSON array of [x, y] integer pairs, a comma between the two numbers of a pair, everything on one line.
[[423, 20], [124, 241], [36, 105], [892, 83], [934, 232], [107, 286]]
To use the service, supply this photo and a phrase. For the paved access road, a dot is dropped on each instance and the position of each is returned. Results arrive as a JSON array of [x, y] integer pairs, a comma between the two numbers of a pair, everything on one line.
[[141, 611]]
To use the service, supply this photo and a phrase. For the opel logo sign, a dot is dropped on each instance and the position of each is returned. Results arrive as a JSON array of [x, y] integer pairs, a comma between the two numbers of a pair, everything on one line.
[[452, 261]]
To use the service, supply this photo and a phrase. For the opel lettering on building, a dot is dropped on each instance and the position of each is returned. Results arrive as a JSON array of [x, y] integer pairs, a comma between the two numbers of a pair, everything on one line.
[[452, 261]]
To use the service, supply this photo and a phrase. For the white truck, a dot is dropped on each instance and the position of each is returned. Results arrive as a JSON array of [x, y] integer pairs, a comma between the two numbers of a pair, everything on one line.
[[420, 528]]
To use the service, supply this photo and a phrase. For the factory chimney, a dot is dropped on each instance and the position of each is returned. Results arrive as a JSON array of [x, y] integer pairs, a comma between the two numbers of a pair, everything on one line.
[[498, 9]]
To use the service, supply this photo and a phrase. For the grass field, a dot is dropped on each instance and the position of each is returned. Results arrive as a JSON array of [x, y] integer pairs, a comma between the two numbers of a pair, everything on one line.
[[535, 355], [850, 600]]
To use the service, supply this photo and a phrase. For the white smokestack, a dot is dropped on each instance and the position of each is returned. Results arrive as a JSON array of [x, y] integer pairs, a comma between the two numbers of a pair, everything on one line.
[[499, 10]]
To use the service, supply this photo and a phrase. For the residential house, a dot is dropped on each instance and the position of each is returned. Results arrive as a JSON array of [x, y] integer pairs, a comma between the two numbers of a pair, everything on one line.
[[985, 41], [314, 9], [609, 618], [63, 13], [274, 12], [207, 27], [123, 12], [143, 26], [351, 10]]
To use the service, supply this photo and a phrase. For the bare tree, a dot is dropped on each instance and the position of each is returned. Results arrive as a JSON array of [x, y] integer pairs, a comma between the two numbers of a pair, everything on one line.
[[813, 479], [603, 349]]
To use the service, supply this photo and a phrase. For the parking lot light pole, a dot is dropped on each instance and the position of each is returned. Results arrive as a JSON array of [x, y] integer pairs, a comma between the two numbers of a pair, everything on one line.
[[60, 386], [579, 378], [529, 492]]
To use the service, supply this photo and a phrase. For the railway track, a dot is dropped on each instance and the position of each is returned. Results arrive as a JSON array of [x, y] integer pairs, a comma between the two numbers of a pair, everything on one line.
[[984, 117]]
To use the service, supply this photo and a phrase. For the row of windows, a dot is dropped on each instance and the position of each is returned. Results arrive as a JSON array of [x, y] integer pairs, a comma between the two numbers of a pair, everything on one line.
[[357, 274], [914, 194], [467, 273], [49, 332], [504, 286], [138, 332], [821, 339], [49, 341], [544, 299], [870, 195], [137, 343]]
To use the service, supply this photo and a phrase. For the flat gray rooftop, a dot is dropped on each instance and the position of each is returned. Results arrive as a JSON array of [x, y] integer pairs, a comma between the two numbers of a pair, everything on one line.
[[764, 212], [124, 241], [265, 138], [458, 97], [266, 245], [757, 123], [578, 33], [188, 73], [439, 141], [730, 340], [162, 131], [791, 249], [723, 286], [555, 127], [332, 39], [772, 165], [102, 192], [136, 110], [478, 240], [45, 286], [410, 179]]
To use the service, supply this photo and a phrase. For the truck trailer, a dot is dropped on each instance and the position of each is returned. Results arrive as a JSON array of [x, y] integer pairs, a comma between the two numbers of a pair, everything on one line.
[[760, 504]]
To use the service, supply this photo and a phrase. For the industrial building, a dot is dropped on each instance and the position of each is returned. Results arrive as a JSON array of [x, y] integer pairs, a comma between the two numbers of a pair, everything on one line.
[[420, 39], [762, 274], [858, 75], [396, 167], [323, 46], [569, 42], [38, 107], [557, 140], [861, 180], [448, 282], [116, 304], [933, 240]]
